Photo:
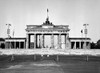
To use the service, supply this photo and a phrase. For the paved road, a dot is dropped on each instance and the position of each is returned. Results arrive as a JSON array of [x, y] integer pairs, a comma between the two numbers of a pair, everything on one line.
[[34, 67], [66, 64]]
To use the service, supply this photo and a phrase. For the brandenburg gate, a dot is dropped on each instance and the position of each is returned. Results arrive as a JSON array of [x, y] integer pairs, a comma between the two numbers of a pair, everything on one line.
[[57, 33]]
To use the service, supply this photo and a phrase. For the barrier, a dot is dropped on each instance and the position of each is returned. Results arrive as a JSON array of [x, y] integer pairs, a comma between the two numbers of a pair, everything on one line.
[[94, 52]]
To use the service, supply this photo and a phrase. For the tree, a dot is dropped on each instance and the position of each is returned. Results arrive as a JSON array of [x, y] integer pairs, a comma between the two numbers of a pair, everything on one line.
[[98, 44], [93, 45], [2, 45]]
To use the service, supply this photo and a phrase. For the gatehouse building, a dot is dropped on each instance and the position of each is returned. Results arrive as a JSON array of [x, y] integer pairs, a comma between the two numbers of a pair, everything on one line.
[[47, 35]]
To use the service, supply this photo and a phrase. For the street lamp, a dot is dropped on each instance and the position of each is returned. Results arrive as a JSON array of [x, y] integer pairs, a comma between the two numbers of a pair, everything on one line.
[[85, 32], [8, 30], [8, 33]]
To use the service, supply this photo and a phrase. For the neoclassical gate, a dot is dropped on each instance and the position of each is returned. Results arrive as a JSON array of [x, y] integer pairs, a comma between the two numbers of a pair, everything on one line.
[[56, 33]]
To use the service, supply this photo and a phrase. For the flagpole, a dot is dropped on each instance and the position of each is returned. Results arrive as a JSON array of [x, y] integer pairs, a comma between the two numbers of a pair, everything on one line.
[[12, 57], [82, 33], [13, 33], [47, 13]]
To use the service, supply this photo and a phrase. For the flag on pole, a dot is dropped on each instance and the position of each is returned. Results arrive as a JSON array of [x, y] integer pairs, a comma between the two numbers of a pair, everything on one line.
[[47, 10], [81, 31], [47, 15], [9, 24]]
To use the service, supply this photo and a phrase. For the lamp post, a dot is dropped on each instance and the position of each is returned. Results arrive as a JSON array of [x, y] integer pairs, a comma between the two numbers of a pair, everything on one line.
[[85, 32], [8, 30], [8, 33]]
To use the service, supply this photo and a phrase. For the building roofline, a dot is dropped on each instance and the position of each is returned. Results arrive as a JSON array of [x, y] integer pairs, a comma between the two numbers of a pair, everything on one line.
[[79, 38], [16, 38]]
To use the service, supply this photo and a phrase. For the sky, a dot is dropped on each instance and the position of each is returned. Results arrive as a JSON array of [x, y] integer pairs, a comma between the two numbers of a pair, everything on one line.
[[74, 13]]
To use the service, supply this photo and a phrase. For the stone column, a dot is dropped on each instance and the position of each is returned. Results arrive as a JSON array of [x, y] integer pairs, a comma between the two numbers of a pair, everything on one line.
[[19, 44], [80, 45], [52, 40], [74, 45], [89, 45], [39, 42], [59, 41], [27, 41], [24, 44], [5, 45], [42, 41], [34, 41], [9, 44], [67, 41], [84, 45], [14, 44]]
